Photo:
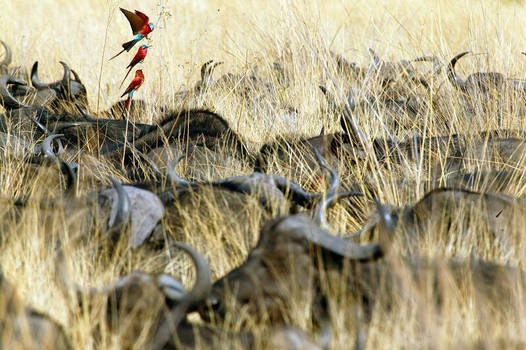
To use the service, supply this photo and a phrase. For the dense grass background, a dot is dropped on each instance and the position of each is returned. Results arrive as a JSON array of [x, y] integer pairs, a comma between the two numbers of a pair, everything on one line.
[[244, 34]]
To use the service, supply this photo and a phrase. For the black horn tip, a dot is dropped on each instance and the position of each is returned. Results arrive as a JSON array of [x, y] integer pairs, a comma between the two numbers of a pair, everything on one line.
[[35, 80], [459, 56], [34, 68]]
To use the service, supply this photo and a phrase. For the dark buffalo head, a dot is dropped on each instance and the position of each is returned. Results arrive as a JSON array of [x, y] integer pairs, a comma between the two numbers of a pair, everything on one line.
[[68, 89], [284, 265]]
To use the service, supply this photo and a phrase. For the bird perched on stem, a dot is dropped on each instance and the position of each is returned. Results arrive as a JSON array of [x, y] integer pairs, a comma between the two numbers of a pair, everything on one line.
[[141, 27], [134, 85], [138, 58]]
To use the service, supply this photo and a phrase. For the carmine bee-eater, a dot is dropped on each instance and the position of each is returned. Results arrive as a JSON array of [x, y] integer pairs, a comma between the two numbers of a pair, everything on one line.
[[140, 26], [138, 58], [134, 85]]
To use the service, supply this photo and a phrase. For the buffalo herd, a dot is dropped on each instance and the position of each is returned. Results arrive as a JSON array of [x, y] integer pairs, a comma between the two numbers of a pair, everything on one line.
[[288, 193]]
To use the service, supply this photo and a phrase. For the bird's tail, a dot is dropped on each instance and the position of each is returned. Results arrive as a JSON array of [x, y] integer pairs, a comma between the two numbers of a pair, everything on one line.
[[129, 44], [129, 92], [129, 70], [127, 103], [117, 54]]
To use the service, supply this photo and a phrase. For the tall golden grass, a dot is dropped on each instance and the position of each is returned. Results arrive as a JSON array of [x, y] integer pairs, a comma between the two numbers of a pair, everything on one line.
[[244, 34]]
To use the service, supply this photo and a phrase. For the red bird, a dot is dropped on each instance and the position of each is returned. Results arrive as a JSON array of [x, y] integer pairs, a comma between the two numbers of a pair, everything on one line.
[[140, 27], [134, 85], [138, 58]]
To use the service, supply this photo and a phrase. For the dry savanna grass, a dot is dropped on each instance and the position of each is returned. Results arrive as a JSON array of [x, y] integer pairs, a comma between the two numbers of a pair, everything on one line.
[[299, 35]]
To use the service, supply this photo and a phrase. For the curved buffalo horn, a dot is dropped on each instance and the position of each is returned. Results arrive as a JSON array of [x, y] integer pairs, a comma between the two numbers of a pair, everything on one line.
[[385, 223], [208, 68], [77, 77], [84, 114], [8, 55], [35, 80], [45, 146], [66, 125], [151, 163], [355, 134], [122, 218], [203, 280], [437, 65], [350, 250], [366, 228], [13, 80], [334, 180], [172, 288], [304, 226], [354, 251], [452, 75], [199, 292], [290, 190], [60, 150], [425, 59], [294, 192], [353, 131], [40, 126], [16, 81], [6, 99], [172, 175], [204, 69], [64, 83], [66, 80], [148, 160], [48, 133], [332, 195]]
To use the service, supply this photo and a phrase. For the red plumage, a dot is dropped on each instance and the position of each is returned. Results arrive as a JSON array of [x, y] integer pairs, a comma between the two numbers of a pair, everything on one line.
[[138, 22], [139, 57], [140, 26], [135, 83]]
